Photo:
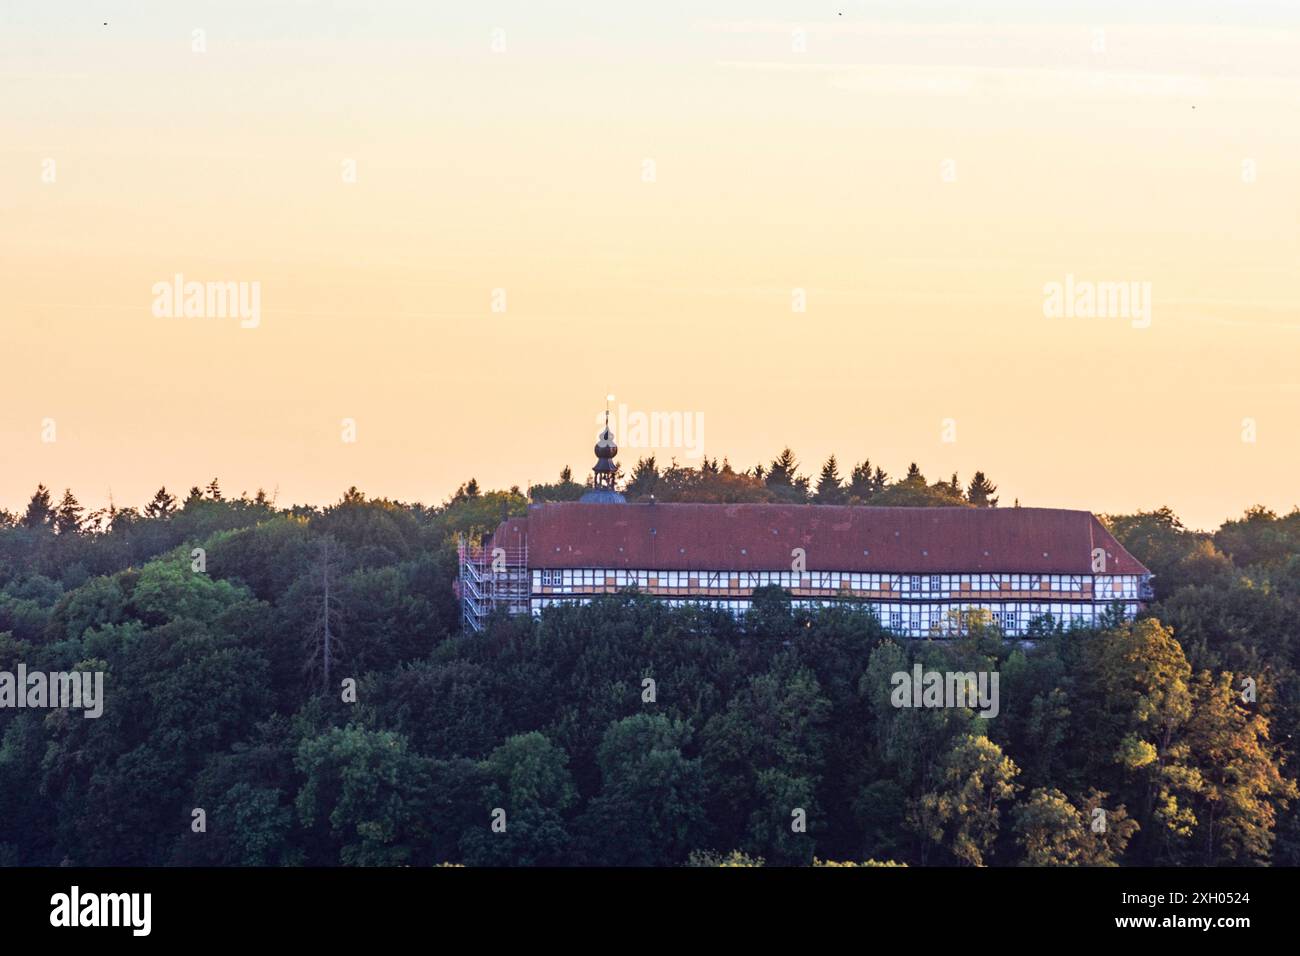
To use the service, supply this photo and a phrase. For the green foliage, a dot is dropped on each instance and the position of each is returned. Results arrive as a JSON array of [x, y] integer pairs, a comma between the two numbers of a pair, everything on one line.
[[1260, 538], [624, 732], [375, 531], [1159, 540], [475, 515], [362, 792], [566, 489], [170, 591], [650, 807], [961, 815], [913, 492], [1052, 831], [528, 790], [830, 489], [712, 858]]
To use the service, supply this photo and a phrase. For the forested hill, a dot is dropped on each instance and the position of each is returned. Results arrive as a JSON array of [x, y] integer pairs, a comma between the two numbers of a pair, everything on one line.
[[623, 732]]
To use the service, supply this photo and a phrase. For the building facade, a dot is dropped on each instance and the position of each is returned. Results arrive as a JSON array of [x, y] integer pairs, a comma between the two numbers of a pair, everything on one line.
[[921, 571]]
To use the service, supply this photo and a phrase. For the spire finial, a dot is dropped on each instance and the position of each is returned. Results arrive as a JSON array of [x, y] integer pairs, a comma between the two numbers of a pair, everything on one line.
[[605, 472]]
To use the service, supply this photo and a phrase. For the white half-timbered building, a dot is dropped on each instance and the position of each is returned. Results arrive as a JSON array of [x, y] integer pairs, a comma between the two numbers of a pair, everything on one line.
[[922, 571]]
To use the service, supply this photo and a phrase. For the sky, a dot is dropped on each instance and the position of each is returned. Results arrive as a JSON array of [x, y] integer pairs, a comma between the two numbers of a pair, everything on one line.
[[830, 225]]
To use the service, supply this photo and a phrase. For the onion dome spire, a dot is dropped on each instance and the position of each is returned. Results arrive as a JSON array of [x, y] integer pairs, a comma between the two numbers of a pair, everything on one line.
[[605, 471]]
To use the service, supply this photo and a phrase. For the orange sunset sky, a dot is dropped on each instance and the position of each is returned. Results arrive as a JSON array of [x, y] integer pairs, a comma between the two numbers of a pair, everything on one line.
[[649, 184]]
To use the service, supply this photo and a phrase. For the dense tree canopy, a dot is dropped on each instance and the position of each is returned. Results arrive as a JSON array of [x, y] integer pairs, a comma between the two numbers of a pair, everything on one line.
[[624, 732]]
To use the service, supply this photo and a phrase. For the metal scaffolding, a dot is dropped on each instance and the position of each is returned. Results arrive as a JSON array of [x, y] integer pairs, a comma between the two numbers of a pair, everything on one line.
[[491, 578]]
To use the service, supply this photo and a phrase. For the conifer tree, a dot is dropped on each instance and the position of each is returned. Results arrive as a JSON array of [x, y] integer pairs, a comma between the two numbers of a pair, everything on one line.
[[981, 492], [40, 513], [782, 470], [861, 484], [162, 506], [645, 477], [830, 491], [67, 519]]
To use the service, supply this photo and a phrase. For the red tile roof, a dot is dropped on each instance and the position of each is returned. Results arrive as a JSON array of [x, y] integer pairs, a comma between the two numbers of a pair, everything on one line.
[[754, 537]]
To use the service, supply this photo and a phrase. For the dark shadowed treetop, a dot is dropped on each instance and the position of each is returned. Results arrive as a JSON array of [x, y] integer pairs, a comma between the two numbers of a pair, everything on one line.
[[549, 718]]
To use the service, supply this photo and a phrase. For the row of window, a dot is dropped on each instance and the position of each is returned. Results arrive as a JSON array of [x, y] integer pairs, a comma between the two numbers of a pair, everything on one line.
[[919, 620], [913, 585]]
